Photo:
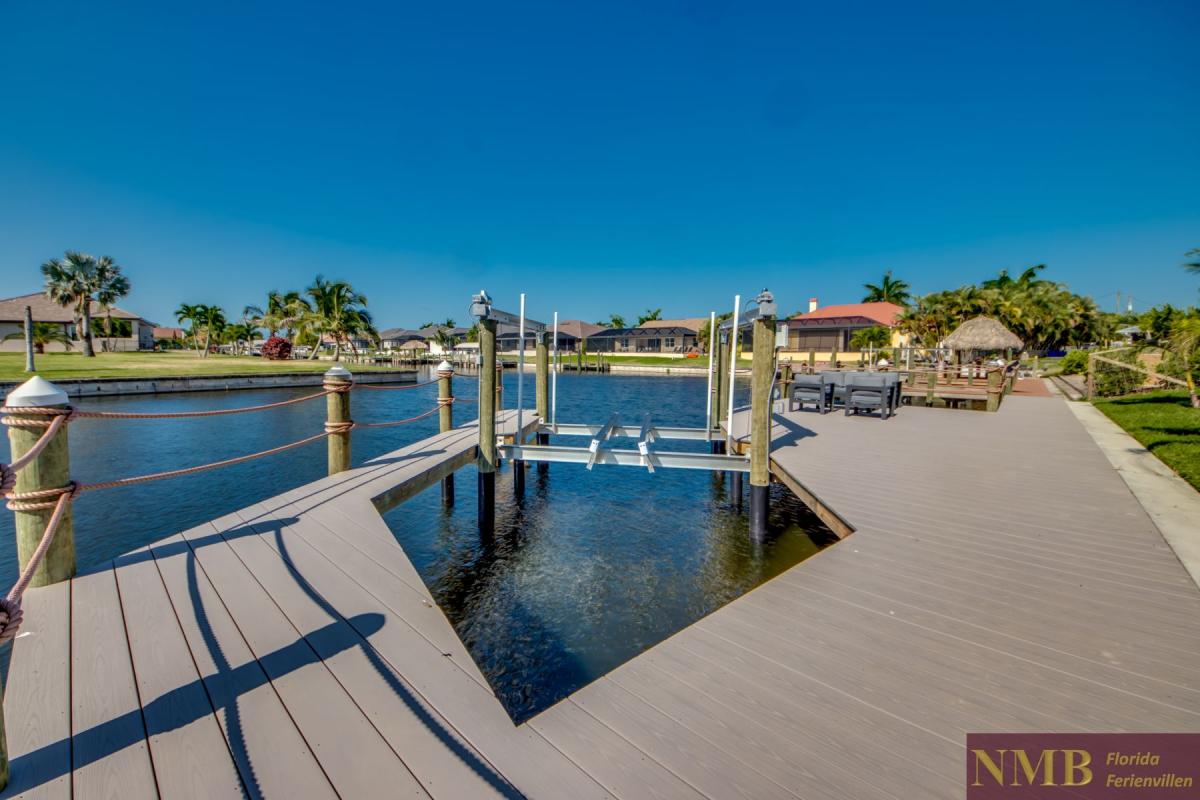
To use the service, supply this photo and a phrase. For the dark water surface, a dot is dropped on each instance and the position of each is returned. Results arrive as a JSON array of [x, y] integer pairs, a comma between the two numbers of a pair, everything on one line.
[[587, 571]]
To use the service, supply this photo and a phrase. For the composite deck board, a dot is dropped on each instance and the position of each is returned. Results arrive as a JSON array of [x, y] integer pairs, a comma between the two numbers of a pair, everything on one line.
[[271, 755], [307, 589], [37, 710], [1000, 576], [187, 748], [110, 755], [351, 751]]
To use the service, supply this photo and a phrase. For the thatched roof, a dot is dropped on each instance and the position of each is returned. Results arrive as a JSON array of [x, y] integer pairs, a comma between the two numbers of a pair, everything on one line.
[[983, 333]]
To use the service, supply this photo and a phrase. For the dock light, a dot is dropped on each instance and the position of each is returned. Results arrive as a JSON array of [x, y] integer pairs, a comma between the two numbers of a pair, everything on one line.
[[481, 305], [766, 304]]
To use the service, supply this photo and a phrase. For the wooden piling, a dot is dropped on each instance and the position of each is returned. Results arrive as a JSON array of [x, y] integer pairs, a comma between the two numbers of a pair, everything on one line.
[[931, 387], [445, 376], [762, 375], [51, 469], [723, 376], [486, 462], [338, 381], [995, 389], [812, 362], [542, 393]]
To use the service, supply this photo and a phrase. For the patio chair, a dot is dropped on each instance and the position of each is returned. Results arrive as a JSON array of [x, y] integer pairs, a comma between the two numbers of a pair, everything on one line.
[[867, 391], [814, 389], [837, 387], [892, 381]]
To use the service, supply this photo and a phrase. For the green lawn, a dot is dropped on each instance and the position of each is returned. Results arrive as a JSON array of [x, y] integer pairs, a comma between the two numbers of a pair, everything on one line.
[[1165, 424], [65, 366]]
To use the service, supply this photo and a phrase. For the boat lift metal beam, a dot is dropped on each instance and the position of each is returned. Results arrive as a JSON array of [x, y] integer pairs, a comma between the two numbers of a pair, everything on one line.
[[660, 432], [624, 457]]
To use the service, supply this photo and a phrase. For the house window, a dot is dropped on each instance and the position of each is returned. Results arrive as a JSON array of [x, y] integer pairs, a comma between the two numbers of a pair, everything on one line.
[[625, 344], [670, 342]]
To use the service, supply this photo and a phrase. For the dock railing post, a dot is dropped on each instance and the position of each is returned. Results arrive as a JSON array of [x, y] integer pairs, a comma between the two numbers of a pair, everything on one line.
[[51, 469], [763, 374], [481, 308], [445, 374], [338, 382]]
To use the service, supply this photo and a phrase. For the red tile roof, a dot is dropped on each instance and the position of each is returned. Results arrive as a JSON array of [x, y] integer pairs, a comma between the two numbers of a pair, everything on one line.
[[882, 313]]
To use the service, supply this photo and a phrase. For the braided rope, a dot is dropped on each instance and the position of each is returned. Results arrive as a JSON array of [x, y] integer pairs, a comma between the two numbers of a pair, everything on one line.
[[180, 415], [11, 615], [393, 424], [8, 418], [393, 388]]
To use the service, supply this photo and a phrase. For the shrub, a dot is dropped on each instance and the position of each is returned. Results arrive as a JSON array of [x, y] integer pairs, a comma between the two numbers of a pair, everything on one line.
[[277, 349], [1074, 362]]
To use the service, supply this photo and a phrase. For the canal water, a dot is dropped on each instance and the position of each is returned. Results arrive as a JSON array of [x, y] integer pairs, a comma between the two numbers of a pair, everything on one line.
[[584, 572]]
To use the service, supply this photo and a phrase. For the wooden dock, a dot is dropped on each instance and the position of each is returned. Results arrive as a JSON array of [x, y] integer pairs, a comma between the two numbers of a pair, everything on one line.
[[999, 576]]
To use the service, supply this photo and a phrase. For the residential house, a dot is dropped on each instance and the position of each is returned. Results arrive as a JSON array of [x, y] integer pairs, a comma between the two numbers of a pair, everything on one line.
[[665, 339], [572, 334], [136, 333], [826, 330]]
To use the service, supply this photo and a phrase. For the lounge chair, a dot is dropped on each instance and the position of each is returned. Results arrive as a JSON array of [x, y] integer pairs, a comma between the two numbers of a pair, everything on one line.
[[866, 391], [814, 389]]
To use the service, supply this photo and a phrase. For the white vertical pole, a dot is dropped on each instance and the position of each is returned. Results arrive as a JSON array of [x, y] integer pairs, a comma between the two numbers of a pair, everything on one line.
[[733, 347], [554, 377], [708, 402], [520, 372]]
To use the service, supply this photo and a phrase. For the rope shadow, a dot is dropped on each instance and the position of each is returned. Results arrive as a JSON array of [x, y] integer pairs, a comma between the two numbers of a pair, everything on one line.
[[358, 638]]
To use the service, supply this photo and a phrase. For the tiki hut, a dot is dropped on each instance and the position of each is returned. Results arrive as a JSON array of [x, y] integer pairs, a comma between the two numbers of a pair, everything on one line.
[[983, 334]]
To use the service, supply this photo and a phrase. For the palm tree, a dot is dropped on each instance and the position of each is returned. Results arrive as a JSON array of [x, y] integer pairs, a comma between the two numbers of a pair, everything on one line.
[[1193, 266], [449, 323], [888, 290], [339, 312], [68, 283], [650, 315], [211, 320], [43, 333], [1028, 278], [241, 333], [614, 321], [76, 281], [109, 285], [1184, 343], [190, 314]]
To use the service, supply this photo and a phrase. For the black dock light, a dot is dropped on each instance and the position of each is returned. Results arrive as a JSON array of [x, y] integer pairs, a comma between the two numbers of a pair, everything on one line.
[[481, 306]]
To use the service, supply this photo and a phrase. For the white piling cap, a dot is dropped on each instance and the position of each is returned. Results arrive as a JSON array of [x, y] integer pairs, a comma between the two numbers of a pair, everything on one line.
[[338, 371], [445, 366], [37, 391]]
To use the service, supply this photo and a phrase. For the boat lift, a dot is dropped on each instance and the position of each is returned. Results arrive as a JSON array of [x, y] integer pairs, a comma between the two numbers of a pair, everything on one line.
[[648, 451]]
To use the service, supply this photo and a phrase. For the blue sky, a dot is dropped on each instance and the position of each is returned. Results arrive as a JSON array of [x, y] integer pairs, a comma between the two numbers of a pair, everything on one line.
[[602, 158]]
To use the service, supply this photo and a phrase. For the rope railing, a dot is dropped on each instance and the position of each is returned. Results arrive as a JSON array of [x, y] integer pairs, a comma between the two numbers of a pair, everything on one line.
[[58, 499]]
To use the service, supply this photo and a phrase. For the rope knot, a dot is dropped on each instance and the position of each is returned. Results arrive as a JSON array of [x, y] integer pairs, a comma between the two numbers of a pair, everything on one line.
[[41, 499], [19, 417], [339, 427], [445, 373], [11, 617], [337, 387], [445, 401]]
